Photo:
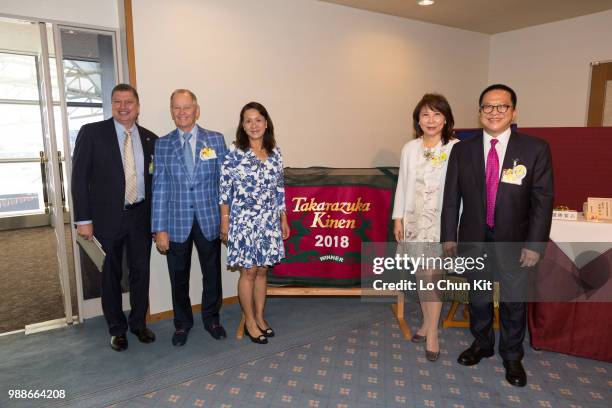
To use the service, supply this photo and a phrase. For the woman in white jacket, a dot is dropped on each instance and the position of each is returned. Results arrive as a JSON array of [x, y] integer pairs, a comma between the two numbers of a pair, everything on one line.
[[418, 202]]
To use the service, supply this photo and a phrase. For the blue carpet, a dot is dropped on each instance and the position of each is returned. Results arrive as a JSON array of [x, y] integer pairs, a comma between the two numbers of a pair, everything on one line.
[[328, 353], [80, 361], [373, 366]]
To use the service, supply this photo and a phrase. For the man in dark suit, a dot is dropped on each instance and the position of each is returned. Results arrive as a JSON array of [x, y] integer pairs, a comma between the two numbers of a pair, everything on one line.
[[504, 181], [111, 193], [186, 212]]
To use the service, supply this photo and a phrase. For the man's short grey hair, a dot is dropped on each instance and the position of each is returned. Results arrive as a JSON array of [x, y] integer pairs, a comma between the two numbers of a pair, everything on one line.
[[186, 92]]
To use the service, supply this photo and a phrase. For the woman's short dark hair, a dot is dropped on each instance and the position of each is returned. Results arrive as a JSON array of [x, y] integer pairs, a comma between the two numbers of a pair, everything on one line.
[[242, 139], [438, 103]]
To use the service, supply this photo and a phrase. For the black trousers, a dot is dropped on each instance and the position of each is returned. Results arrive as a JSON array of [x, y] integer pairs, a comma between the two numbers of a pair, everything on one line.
[[512, 315], [135, 236], [179, 267]]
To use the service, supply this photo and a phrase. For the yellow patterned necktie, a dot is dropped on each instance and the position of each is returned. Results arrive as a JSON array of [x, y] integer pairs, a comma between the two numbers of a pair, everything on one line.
[[129, 168]]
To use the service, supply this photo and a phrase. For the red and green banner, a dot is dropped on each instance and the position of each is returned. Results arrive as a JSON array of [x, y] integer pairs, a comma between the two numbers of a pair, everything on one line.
[[331, 212]]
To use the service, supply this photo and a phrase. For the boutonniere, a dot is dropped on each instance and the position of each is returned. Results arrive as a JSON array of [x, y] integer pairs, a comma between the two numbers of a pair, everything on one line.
[[436, 157], [207, 153], [151, 165]]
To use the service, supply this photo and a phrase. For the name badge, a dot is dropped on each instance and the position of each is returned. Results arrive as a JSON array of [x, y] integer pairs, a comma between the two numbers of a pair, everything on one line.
[[515, 175], [208, 153]]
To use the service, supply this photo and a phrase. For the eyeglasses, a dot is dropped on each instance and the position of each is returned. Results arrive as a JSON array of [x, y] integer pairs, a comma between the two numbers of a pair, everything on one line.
[[491, 108]]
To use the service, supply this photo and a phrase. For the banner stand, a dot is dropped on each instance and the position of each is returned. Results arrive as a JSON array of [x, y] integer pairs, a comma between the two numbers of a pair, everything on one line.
[[397, 308]]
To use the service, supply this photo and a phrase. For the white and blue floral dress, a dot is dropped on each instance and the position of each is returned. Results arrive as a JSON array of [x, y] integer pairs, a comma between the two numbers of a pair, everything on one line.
[[255, 193]]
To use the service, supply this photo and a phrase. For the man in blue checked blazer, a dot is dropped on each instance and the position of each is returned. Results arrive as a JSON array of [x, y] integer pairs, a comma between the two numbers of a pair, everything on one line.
[[186, 211]]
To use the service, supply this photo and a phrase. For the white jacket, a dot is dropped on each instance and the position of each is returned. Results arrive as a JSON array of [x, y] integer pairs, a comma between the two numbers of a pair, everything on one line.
[[406, 183]]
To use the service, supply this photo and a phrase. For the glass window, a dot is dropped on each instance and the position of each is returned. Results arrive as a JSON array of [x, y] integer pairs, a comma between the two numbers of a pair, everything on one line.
[[18, 77], [20, 131], [20, 118], [79, 116], [83, 95], [83, 81], [20, 189]]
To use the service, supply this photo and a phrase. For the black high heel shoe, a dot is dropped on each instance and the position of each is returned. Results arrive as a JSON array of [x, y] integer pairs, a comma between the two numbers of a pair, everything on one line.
[[261, 339], [267, 332], [432, 355]]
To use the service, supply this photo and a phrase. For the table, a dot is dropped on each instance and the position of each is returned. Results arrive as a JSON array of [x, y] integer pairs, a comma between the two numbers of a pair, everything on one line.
[[581, 325]]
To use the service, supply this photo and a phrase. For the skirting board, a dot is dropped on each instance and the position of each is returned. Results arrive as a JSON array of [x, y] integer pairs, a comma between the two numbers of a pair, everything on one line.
[[169, 314]]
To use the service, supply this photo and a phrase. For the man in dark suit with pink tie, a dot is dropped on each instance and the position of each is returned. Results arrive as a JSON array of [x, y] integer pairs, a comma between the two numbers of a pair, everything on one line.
[[504, 183]]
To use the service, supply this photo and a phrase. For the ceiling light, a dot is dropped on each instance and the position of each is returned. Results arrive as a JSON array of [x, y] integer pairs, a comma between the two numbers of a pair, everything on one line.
[[425, 2]]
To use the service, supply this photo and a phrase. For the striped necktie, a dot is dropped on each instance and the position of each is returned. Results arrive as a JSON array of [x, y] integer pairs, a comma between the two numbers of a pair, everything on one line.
[[129, 168]]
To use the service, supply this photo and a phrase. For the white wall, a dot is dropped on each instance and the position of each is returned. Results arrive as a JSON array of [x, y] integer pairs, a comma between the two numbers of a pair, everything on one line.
[[332, 77], [339, 83], [548, 66], [100, 13]]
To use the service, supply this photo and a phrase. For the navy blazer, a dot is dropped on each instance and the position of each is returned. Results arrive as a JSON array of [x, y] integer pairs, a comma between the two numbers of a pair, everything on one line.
[[98, 179]]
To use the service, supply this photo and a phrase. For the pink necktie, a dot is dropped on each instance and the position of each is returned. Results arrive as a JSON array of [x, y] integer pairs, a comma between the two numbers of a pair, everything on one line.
[[492, 175]]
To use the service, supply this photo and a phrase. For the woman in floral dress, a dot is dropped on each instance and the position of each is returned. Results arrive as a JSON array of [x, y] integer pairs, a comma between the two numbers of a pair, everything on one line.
[[253, 219], [418, 202]]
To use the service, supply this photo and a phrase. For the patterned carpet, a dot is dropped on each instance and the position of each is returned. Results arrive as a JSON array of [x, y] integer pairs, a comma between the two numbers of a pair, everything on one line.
[[373, 366], [30, 287]]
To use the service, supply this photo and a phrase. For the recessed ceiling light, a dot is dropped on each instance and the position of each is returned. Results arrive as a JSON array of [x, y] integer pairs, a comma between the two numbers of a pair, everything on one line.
[[425, 2]]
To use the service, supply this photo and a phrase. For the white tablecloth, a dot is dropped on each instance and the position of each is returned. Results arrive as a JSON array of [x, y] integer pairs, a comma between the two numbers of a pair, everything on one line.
[[582, 241]]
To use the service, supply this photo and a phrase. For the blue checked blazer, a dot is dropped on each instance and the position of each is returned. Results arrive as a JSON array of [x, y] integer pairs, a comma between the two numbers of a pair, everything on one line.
[[177, 197]]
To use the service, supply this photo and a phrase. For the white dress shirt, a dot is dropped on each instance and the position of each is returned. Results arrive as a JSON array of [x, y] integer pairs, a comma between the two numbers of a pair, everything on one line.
[[500, 147]]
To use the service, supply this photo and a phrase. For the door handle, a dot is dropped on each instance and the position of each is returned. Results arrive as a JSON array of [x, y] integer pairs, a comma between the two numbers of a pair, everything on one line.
[[61, 176], [43, 174]]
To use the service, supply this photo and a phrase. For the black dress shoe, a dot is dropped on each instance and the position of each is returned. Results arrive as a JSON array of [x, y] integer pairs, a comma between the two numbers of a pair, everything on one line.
[[179, 338], [216, 331], [119, 343], [515, 373], [473, 355], [261, 339], [145, 335]]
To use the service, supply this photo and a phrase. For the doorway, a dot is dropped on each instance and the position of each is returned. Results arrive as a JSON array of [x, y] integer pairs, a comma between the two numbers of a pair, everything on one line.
[[600, 97], [44, 100]]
